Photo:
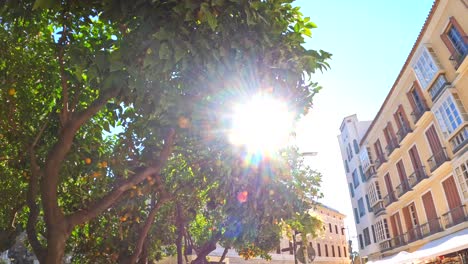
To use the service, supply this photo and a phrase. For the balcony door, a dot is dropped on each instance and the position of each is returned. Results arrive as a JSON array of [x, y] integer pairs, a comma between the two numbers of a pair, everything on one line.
[[431, 215], [411, 222], [456, 213], [416, 100], [388, 184], [438, 155], [397, 229], [403, 178]]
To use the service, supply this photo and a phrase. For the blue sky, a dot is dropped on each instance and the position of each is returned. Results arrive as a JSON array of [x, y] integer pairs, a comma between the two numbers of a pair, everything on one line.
[[370, 41]]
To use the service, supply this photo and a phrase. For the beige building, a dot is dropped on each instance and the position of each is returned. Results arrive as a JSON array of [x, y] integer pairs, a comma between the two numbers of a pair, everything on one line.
[[414, 156], [331, 247]]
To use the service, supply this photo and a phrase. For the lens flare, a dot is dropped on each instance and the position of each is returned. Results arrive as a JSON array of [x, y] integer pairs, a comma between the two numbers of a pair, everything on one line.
[[262, 124]]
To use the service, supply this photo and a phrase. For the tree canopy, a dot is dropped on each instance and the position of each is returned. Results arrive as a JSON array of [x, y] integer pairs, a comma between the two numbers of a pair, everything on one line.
[[114, 118]]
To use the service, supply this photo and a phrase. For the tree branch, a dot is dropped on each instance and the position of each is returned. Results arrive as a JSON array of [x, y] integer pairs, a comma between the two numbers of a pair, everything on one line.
[[223, 256], [145, 230], [33, 188], [108, 200], [63, 78]]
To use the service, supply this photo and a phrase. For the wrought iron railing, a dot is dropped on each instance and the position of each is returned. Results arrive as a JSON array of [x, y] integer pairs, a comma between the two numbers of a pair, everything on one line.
[[437, 159], [418, 112], [370, 173], [438, 87], [389, 199], [431, 227], [455, 216], [457, 58], [378, 208], [403, 188], [459, 140], [416, 177], [380, 160], [392, 145], [403, 131], [385, 245]]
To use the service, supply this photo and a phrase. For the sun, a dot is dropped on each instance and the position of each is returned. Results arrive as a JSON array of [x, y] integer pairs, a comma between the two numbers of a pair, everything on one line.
[[262, 124]]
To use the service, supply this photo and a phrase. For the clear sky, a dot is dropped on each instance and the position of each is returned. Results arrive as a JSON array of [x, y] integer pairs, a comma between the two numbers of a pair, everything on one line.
[[370, 40]]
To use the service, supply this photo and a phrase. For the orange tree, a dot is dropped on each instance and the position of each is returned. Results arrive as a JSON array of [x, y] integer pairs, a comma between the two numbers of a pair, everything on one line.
[[110, 108]]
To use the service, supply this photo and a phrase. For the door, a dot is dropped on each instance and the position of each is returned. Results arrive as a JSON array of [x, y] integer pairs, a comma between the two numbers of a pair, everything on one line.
[[456, 213], [388, 184], [417, 165], [433, 224], [436, 148], [403, 178], [411, 222]]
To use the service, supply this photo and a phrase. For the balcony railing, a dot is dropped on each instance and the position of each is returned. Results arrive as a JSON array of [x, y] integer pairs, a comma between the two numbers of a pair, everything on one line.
[[459, 140], [389, 199], [370, 173], [438, 87], [455, 216], [416, 177], [403, 188], [437, 159], [418, 112], [378, 208], [457, 58], [404, 130], [380, 160], [431, 227], [392, 145]]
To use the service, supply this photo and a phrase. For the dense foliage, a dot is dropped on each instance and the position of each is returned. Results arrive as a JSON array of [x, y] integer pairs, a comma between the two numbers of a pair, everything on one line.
[[113, 125]]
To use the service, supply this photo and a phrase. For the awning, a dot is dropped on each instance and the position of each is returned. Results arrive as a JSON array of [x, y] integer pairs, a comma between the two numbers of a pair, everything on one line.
[[401, 257], [444, 245]]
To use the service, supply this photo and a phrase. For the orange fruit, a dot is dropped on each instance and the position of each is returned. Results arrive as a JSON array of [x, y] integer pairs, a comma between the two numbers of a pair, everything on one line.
[[11, 91], [104, 164], [242, 196], [87, 161], [183, 122]]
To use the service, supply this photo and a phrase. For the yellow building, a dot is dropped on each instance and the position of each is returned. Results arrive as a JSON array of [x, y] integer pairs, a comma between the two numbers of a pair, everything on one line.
[[413, 155], [331, 247]]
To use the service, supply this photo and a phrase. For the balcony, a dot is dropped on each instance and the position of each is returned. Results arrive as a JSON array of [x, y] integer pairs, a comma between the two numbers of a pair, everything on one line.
[[378, 208], [438, 87], [370, 173], [416, 177], [431, 227], [389, 199], [457, 58], [380, 160], [418, 113], [455, 216], [403, 188], [404, 130], [392, 145], [437, 159], [459, 140]]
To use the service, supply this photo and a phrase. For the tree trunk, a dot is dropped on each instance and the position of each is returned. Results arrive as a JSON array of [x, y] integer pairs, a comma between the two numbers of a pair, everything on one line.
[[56, 241]]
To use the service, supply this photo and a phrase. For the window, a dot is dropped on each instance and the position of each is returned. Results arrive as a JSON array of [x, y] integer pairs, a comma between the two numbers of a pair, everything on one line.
[[346, 166], [361, 244], [356, 216], [339, 251], [362, 209], [363, 176], [369, 208], [350, 152], [355, 179], [344, 251], [462, 178], [351, 189], [356, 146], [336, 229], [326, 250], [319, 250], [417, 101], [455, 41], [342, 231], [448, 115], [333, 251], [373, 234], [425, 67], [366, 236], [330, 228]]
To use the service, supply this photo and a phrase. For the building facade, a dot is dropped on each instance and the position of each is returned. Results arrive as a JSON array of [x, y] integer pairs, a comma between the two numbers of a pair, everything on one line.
[[331, 247], [414, 157]]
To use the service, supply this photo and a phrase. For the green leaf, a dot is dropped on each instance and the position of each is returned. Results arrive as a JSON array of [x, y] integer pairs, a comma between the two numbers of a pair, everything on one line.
[[164, 51]]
